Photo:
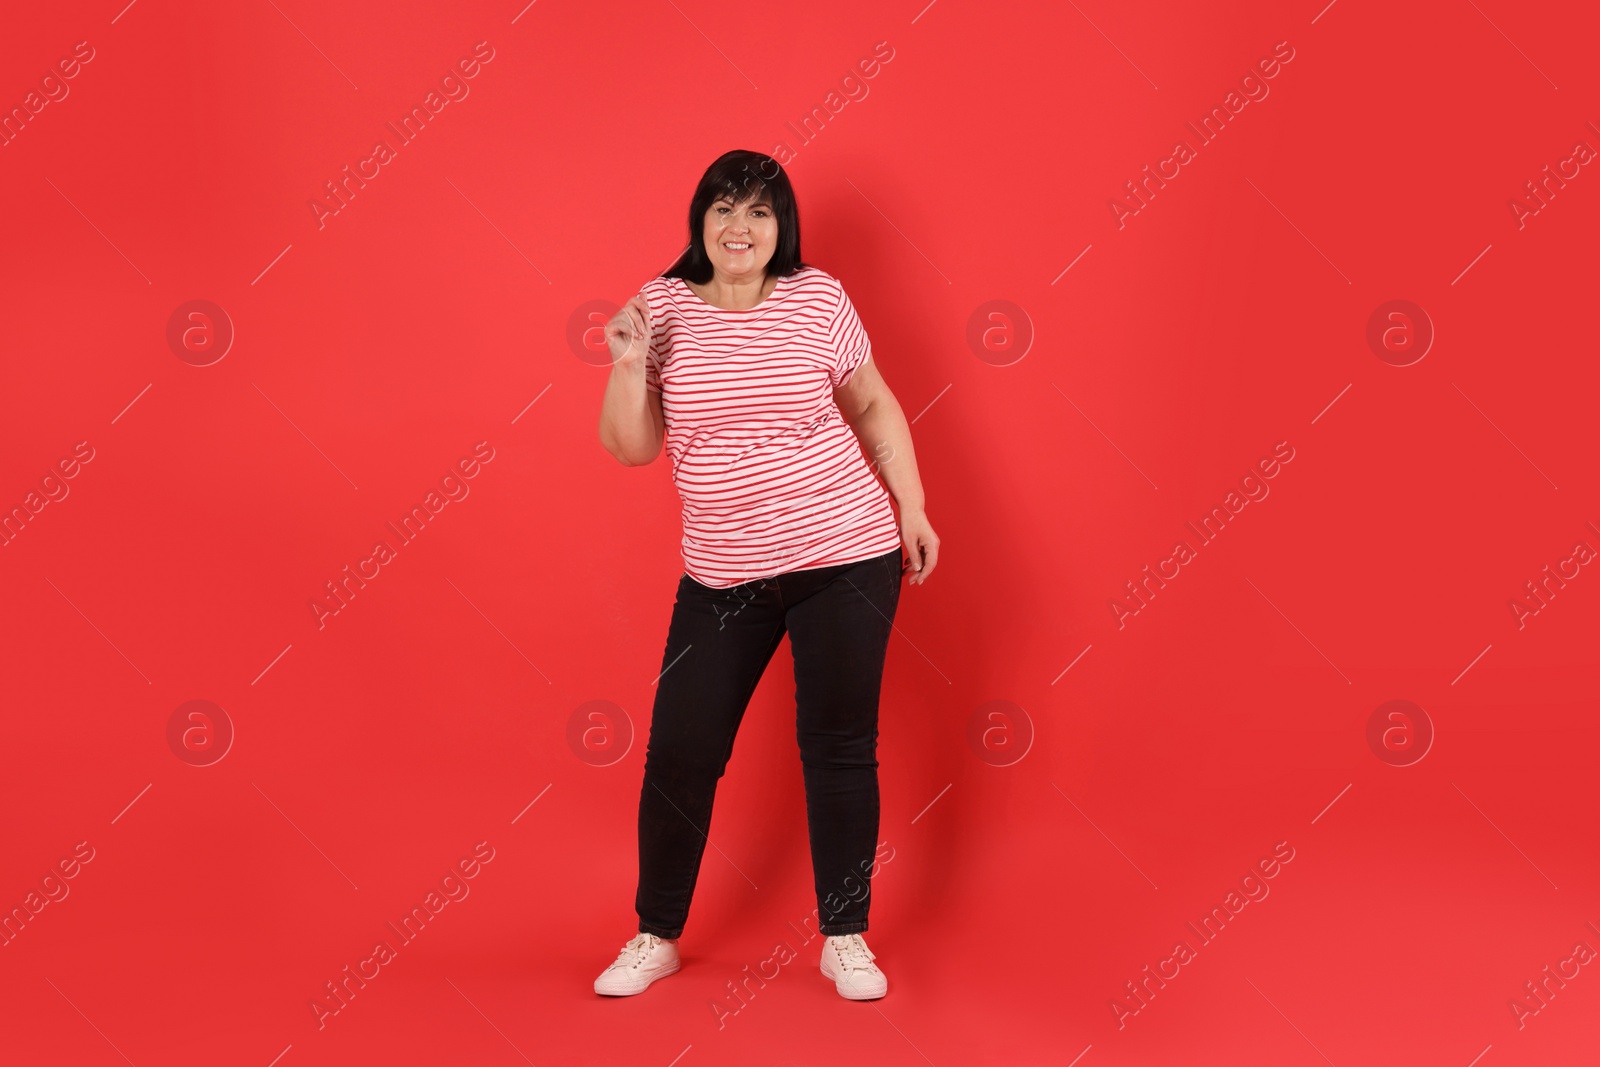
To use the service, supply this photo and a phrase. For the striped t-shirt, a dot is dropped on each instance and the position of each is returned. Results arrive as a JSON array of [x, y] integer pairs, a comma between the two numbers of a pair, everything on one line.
[[771, 477]]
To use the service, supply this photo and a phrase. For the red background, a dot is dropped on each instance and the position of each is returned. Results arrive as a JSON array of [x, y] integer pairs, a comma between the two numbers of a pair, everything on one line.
[[436, 309]]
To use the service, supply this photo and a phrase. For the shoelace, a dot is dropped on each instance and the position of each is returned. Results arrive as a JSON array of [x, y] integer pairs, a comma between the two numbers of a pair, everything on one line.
[[634, 952], [853, 953]]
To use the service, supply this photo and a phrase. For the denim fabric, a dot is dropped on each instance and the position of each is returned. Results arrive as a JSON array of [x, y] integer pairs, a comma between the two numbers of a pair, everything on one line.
[[719, 643]]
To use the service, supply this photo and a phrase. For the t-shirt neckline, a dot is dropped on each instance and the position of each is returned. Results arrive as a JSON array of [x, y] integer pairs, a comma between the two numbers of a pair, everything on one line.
[[708, 306]]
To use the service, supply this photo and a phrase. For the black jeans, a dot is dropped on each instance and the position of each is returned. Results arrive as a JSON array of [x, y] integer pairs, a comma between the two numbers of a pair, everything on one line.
[[838, 620]]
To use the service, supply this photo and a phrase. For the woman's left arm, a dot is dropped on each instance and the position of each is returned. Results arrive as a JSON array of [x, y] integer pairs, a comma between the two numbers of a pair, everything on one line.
[[874, 414]]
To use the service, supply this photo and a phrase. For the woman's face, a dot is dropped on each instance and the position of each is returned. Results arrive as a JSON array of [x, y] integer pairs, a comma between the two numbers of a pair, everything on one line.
[[740, 239]]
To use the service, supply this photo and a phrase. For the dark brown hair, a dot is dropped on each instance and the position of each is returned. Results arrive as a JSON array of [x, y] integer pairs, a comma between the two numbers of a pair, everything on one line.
[[741, 175]]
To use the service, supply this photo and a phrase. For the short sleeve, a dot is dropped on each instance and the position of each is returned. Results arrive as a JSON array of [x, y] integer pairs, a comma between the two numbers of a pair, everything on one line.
[[848, 343]]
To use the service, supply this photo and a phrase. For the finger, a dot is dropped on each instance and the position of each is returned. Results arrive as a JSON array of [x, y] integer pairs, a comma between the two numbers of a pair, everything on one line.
[[913, 563], [628, 327], [620, 320]]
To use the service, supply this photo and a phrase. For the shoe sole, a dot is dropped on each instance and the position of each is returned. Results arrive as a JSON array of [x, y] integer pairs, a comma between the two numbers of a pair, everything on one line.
[[860, 996], [631, 992]]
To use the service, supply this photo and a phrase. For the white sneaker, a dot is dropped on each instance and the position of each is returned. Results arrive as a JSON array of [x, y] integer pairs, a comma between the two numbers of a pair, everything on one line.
[[848, 961], [642, 960]]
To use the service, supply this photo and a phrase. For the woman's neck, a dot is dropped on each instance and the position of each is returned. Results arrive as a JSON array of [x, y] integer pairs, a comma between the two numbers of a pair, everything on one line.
[[732, 295]]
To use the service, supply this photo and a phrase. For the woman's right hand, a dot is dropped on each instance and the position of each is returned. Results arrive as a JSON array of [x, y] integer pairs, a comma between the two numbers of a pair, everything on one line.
[[628, 332]]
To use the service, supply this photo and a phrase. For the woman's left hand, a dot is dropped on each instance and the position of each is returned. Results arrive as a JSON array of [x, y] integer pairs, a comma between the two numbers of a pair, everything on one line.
[[921, 544]]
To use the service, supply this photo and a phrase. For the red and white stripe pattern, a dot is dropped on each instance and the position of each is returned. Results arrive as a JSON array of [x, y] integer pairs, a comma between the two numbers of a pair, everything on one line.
[[771, 477]]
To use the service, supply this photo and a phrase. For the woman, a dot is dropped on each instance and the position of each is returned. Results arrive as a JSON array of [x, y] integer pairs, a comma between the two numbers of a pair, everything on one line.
[[755, 372]]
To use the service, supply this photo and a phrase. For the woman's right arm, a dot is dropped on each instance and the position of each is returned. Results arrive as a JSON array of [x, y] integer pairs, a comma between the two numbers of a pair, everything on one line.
[[632, 424]]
